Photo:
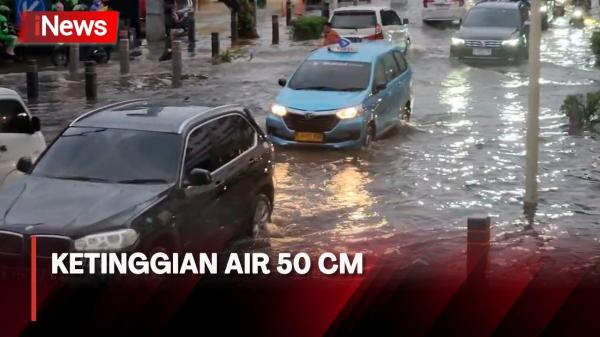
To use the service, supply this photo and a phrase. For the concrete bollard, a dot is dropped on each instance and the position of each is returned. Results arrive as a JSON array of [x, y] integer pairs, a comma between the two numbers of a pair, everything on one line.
[[234, 28], [91, 89], [275, 29], [33, 83], [478, 245], [124, 56], [288, 12], [177, 64], [325, 10], [74, 60], [214, 39]]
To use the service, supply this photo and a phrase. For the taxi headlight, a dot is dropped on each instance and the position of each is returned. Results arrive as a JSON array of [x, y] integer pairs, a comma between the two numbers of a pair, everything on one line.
[[278, 110], [578, 13], [350, 112], [543, 8], [511, 42], [457, 42], [107, 241]]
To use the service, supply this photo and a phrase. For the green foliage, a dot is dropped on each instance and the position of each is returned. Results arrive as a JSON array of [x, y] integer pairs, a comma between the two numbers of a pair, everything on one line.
[[261, 3], [582, 109], [225, 57], [308, 27]]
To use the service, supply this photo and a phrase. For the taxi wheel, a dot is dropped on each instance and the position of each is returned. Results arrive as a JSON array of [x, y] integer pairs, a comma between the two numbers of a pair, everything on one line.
[[370, 137], [261, 216]]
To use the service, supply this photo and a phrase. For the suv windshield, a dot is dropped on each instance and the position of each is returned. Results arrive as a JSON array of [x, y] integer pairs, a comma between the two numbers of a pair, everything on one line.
[[492, 17], [354, 20], [332, 76], [112, 155]]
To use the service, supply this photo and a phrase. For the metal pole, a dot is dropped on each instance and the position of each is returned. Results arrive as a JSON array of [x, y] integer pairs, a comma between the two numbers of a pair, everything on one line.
[[33, 84], [177, 64], [533, 123], [275, 29], [124, 56], [288, 12], [478, 244], [214, 37], [234, 28], [191, 27], [91, 90], [325, 10]]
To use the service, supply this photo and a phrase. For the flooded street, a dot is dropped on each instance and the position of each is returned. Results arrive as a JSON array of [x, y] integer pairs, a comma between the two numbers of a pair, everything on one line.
[[411, 194]]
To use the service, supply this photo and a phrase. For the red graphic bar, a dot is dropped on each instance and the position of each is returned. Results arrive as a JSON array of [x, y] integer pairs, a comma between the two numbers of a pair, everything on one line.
[[69, 27], [33, 278]]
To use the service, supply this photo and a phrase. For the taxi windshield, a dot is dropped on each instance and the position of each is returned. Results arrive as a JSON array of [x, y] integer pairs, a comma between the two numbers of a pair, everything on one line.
[[332, 76]]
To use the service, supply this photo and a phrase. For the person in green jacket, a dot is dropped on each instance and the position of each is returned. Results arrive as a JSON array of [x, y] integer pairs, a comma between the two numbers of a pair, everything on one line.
[[6, 35]]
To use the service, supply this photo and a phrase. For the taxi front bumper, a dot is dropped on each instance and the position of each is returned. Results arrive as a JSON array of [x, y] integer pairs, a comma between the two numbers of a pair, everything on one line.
[[337, 133]]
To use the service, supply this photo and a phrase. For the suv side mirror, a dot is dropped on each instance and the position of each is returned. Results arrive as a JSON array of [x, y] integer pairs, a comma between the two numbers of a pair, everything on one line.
[[199, 177], [405, 21], [36, 125], [25, 164], [379, 87], [282, 82]]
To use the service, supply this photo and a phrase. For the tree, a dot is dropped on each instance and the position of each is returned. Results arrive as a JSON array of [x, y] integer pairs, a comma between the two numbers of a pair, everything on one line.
[[246, 13]]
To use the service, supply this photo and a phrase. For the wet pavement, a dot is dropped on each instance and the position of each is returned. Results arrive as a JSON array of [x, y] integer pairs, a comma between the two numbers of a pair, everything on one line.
[[410, 196]]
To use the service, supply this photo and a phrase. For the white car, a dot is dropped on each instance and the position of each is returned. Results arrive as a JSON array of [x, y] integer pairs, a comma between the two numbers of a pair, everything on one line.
[[359, 23], [20, 135], [443, 10]]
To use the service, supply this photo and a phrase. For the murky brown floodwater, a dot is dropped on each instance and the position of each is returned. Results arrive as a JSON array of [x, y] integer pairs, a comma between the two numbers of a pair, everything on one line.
[[411, 195]]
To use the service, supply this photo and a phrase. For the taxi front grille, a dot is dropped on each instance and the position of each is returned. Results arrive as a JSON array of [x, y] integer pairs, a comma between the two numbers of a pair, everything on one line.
[[310, 123], [483, 43]]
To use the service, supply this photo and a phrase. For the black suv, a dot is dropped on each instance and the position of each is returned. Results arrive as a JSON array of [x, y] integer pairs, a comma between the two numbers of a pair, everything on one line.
[[493, 31], [144, 176]]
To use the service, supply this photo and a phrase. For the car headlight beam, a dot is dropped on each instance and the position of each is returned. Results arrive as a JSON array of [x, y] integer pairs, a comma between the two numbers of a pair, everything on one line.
[[107, 241], [511, 42], [278, 110], [350, 112], [457, 42]]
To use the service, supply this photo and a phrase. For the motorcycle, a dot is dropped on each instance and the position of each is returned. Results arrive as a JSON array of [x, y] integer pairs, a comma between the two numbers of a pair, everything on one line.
[[100, 54]]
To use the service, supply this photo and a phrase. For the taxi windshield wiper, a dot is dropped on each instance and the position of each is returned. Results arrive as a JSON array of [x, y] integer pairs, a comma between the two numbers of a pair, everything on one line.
[[324, 88], [143, 181]]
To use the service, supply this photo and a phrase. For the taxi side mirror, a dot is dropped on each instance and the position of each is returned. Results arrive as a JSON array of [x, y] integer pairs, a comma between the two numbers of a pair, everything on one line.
[[379, 87], [282, 82], [199, 177]]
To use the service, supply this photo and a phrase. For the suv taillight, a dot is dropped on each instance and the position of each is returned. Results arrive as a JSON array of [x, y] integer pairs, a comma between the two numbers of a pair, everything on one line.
[[427, 2]]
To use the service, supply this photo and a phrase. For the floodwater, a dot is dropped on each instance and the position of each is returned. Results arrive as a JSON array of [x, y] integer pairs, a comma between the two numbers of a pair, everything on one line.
[[409, 197]]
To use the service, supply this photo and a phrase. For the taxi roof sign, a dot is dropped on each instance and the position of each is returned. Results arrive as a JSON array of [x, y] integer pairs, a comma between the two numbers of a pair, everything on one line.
[[344, 46]]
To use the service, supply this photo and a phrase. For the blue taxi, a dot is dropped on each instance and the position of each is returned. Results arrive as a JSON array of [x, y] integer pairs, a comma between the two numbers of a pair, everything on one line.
[[342, 97]]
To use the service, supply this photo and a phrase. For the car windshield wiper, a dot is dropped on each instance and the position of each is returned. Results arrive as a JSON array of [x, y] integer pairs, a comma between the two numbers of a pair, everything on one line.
[[351, 89], [101, 180], [143, 181]]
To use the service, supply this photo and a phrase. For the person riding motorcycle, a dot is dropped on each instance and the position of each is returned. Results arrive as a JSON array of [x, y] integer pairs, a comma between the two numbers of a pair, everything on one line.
[[7, 35]]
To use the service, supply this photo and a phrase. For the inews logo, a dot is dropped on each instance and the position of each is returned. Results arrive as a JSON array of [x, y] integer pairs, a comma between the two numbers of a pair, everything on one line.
[[69, 27]]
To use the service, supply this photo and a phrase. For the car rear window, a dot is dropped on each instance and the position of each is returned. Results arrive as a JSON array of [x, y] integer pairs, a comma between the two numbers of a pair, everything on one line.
[[332, 76], [354, 20], [492, 17]]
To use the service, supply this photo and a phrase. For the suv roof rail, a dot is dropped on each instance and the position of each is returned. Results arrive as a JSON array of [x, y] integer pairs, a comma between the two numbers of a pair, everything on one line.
[[106, 107]]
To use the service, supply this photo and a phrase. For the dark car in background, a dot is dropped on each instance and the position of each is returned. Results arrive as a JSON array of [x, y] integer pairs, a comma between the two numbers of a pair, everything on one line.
[[493, 31], [144, 176]]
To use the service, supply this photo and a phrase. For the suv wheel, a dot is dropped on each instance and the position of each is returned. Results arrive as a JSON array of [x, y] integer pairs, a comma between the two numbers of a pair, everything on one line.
[[260, 216]]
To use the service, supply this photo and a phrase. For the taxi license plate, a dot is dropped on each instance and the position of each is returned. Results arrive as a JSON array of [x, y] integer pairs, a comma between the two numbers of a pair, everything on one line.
[[312, 137], [482, 52]]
